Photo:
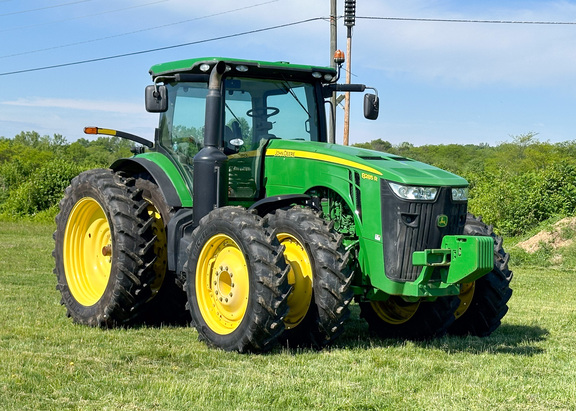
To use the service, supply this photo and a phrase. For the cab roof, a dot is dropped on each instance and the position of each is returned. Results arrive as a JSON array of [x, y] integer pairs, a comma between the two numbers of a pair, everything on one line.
[[257, 68]]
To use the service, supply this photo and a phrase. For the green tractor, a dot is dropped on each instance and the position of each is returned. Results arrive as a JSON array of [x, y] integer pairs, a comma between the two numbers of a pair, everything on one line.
[[242, 218]]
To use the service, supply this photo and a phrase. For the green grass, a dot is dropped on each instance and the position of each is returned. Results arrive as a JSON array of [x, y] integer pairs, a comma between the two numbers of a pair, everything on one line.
[[47, 362]]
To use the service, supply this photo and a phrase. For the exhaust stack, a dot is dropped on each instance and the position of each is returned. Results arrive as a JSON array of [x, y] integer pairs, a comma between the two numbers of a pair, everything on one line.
[[210, 164]]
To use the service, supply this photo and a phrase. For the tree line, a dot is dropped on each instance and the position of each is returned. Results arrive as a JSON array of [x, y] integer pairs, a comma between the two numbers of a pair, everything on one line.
[[513, 185], [35, 170]]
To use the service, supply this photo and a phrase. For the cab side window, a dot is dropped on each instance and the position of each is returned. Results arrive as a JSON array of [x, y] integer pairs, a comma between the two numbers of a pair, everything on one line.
[[182, 126]]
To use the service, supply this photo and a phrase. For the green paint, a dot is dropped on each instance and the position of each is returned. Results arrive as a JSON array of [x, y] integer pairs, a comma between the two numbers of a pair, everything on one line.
[[173, 174], [348, 180]]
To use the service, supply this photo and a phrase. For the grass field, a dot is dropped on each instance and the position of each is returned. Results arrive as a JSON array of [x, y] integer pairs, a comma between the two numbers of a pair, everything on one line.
[[47, 362]]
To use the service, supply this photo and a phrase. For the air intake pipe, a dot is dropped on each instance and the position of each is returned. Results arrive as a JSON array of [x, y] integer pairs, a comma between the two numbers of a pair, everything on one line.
[[210, 182]]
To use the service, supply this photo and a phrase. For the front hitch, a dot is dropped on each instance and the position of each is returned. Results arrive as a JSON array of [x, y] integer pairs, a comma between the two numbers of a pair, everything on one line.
[[461, 259]]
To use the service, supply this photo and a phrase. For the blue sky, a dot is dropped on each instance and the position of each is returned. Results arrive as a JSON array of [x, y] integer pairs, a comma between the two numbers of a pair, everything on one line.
[[438, 82]]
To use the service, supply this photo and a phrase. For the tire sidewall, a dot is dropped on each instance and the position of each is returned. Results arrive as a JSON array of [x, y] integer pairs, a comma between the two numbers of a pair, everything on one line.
[[80, 312], [331, 276], [227, 341]]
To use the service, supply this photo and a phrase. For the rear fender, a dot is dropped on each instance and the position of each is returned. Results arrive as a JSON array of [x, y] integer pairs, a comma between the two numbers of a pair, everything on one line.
[[164, 173]]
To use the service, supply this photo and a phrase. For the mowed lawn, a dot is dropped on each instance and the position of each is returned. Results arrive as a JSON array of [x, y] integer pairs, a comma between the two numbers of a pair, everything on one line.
[[47, 362]]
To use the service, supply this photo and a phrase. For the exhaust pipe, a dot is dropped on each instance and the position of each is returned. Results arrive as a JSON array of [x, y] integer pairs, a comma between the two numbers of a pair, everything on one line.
[[210, 181]]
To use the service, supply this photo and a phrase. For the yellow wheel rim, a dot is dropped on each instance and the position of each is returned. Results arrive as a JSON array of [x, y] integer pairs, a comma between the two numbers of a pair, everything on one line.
[[160, 249], [466, 296], [299, 277], [395, 310], [222, 284], [87, 251]]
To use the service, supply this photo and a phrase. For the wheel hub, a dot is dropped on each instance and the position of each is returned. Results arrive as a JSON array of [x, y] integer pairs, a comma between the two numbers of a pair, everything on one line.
[[87, 251], [224, 286]]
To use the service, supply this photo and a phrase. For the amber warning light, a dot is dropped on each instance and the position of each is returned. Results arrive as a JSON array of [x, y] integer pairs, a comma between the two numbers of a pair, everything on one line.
[[90, 130], [339, 57], [122, 134]]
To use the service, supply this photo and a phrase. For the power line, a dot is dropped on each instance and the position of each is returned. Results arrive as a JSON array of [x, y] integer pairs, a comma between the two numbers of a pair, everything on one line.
[[136, 31], [135, 53], [274, 28], [468, 21], [80, 17], [43, 8]]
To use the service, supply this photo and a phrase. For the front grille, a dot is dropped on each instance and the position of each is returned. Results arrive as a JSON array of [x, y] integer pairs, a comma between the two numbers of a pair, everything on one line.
[[409, 226]]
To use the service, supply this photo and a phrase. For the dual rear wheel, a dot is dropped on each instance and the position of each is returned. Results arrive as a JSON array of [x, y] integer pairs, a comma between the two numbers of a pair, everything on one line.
[[251, 281], [110, 252], [105, 250], [236, 281]]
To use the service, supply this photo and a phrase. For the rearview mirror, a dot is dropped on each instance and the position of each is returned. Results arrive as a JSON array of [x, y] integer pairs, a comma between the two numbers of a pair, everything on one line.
[[371, 106], [156, 99]]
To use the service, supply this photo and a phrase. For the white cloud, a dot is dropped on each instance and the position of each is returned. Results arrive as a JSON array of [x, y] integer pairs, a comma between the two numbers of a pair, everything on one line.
[[68, 117], [473, 54], [75, 104]]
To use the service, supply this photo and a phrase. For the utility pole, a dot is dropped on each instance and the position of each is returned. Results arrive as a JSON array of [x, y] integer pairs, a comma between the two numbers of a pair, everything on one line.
[[349, 21], [333, 45]]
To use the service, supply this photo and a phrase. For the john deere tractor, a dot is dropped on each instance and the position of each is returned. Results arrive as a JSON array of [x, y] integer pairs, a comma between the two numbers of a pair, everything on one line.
[[242, 218]]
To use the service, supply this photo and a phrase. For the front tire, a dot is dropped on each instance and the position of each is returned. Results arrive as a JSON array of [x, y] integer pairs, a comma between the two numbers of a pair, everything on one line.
[[484, 302], [104, 250], [396, 318], [236, 281], [320, 276]]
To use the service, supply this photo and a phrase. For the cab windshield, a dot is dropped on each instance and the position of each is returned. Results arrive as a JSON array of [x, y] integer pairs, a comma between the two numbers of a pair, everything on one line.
[[257, 110]]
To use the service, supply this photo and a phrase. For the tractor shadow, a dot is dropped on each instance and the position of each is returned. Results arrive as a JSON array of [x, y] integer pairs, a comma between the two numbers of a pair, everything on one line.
[[513, 339]]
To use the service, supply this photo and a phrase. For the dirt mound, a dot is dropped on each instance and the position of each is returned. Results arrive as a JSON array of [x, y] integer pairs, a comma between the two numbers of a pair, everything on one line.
[[553, 237]]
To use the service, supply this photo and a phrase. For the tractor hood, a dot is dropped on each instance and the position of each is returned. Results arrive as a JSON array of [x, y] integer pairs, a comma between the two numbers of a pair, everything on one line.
[[383, 165]]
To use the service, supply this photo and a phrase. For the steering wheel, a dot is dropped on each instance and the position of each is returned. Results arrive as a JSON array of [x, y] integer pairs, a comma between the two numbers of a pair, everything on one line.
[[264, 111]]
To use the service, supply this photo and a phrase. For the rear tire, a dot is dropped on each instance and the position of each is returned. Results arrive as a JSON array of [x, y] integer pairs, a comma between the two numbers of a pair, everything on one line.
[[396, 318], [484, 302], [168, 304], [104, 250], [236, 281], [320, 276]]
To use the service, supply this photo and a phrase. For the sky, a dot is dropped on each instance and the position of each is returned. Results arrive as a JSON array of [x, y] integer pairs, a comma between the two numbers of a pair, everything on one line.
[[440, 82]]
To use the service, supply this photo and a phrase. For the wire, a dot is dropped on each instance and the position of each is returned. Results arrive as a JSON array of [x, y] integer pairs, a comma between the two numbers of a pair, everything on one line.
[[80, 17], [136, 31], [274, 28], [43, 8], [468, 21], [135, 53]]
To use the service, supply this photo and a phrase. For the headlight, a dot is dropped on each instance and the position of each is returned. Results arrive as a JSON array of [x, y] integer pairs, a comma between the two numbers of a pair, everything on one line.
[[414, 193], [460, 194]]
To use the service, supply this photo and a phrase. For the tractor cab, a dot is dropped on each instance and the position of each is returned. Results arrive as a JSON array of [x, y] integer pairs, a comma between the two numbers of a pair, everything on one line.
[[255, 111], [260, 102]]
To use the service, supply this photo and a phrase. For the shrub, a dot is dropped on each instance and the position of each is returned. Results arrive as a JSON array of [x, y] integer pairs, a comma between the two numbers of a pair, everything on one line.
[[42, 190], [516, 202]]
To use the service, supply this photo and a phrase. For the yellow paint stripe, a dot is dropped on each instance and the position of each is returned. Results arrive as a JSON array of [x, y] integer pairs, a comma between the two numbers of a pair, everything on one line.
[[106, 131], [320, 157]]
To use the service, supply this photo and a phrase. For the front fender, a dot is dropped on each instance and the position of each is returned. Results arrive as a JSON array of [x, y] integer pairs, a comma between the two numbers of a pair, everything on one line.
[[269, 204]]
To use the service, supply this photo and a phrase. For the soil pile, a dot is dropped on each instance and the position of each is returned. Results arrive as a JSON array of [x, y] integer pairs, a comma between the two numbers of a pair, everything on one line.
[[555, 237]]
